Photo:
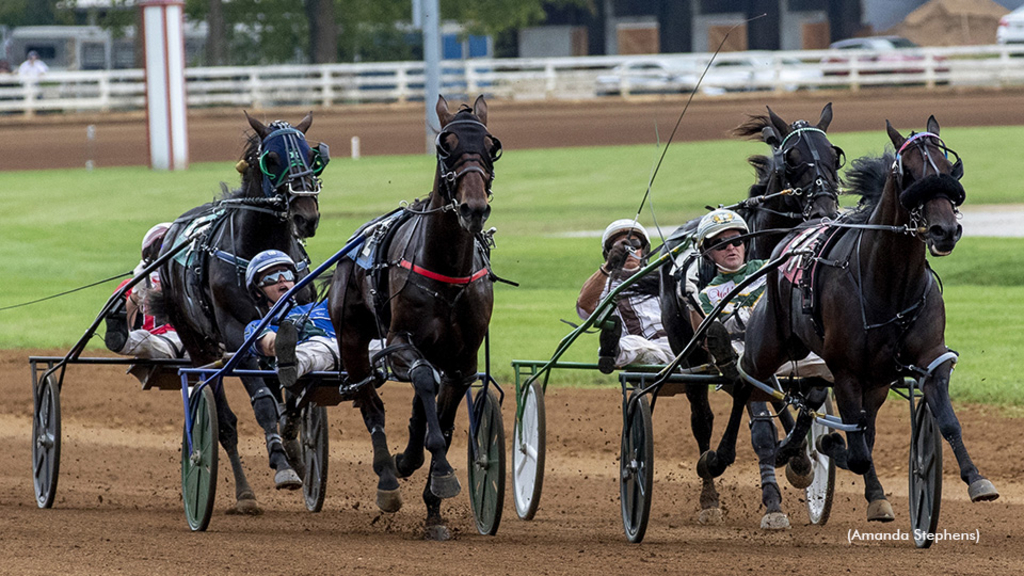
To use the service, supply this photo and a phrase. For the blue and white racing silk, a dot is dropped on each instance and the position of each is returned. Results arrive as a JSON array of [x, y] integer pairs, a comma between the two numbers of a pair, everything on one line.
[[311, 319]]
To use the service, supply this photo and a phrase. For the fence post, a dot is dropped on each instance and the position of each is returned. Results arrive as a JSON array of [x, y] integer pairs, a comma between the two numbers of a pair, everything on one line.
[[31, 89], [550, 80], [402, 83], [854, 74], [472, 84], [105, 92], [326, 90], [929, 70]]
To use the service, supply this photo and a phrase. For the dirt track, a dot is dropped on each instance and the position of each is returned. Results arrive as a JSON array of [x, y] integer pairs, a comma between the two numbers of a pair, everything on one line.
[[60, 142], [118, 507]]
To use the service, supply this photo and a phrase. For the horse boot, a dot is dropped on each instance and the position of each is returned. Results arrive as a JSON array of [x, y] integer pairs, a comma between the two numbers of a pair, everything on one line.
[[611, 331], [719, 343], [285, 477], [117, 330], [284, 350], [290, 421]]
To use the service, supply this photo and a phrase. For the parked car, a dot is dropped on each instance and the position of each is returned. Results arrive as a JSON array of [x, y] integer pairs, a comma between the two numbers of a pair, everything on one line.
[[894, 50], [1011, 28], [755, 72], [648, 77]]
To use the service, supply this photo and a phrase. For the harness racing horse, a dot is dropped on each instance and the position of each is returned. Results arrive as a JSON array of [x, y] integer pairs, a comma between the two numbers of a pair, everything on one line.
[[204, 295], [799, 181], [879, 313], [432, 301]]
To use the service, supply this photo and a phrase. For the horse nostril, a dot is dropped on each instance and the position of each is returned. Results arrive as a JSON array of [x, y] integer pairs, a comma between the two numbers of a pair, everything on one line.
[[936, 231], [959, 232]]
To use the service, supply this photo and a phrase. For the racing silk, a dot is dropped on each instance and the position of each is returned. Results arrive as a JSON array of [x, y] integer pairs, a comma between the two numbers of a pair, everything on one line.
[[640, 313], [736, 313], [144, 320], [318, 323]]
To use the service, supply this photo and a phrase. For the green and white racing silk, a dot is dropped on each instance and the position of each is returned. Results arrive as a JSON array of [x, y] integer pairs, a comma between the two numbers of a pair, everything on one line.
[[735, 313]]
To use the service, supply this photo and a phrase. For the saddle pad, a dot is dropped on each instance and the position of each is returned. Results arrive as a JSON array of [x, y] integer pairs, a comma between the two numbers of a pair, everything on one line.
[[795, 267], [378, 230], [186, 257]]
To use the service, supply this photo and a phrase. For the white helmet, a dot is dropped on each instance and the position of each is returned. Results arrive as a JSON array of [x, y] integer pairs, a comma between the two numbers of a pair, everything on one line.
[[620, 226], [156, 233], [263, 261], [717, 221]]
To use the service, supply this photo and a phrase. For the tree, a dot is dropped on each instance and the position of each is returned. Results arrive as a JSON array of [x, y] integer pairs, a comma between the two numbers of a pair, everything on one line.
[[323, 31]]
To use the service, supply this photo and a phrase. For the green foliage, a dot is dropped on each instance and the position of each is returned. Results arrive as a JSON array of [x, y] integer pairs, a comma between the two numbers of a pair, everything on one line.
[[67, 228], [16, 13]]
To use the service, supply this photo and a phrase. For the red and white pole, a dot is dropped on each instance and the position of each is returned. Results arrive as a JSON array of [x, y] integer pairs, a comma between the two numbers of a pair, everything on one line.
[[163, 43]]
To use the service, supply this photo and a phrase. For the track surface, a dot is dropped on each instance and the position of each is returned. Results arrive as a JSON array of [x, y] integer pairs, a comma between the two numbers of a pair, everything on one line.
[[118, 507], [60, 141]]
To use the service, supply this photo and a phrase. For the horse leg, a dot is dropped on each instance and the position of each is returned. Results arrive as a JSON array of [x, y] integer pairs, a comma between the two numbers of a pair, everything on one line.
[[265, 407], [448, 400], [850, 400], [936, 394], [389, 493], [879, 509], [245, 498], [702, 421], [411, 459], [712, 464], [792, 450], [763, 436], [425, 381]]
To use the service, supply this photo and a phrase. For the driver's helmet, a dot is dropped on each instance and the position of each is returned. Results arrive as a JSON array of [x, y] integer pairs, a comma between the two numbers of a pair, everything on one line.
[[154, 237], [620, 226], [264, 261], [717, 221]]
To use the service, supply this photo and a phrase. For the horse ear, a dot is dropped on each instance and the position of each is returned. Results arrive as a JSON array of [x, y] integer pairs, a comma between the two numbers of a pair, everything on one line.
[[771, 136], [256, 125], [480, 109], [826, 117], [933, 125], [442, 111], [306, 123], [780, 125], [894, 135]]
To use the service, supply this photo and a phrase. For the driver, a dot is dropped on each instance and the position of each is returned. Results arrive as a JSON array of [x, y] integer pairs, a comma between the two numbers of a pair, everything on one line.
[[636, 335]]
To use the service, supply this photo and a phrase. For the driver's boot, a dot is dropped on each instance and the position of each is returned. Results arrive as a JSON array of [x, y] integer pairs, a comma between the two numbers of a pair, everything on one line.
[[284, 350], [720, 346], [117, 330], [609, 351]]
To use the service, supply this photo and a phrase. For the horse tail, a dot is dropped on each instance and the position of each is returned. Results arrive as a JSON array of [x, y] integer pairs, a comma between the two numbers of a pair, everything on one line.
[[866, 177]]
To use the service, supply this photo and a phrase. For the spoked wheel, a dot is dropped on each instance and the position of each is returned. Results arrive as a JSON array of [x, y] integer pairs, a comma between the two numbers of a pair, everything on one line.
[[636, 470], [199, 466], [46, 441], [313, 439], [925, 475], [486, 469], [819, 493], [528, 452]]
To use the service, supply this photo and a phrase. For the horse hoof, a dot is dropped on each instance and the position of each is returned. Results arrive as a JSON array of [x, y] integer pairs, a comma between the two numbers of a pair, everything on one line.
[[404, 467], [982, 491], [287, 479], [707, 460], [445, 486], [437, 533], [245, 506], [775, 521], [880, 511], [710, 517], [796, 479], [389, 501]]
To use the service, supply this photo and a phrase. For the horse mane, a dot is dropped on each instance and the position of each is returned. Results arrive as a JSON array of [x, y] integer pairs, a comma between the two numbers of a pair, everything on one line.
[[751, 129], [252, 184], [866, 178], [762, 170]]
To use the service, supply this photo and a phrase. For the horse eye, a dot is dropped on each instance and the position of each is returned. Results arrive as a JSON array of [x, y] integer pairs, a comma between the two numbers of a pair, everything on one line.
[[840, 157], [495, 150]]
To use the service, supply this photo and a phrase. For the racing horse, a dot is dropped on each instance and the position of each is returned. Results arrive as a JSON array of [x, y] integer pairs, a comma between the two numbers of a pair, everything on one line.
[[432, 300], [799, 181], [878, 313], [203, 292]]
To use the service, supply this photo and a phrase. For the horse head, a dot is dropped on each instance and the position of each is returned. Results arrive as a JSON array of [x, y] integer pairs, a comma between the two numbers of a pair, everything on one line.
[[466, 153], [804, 161], [284, 166], [927, 181]]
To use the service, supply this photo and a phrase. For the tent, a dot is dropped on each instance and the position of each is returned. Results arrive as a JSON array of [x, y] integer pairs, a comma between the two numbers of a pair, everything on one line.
[[952, 23]]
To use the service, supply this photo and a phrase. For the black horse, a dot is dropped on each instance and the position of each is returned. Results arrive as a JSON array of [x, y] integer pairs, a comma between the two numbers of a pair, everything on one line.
[[797, 182], [877, 313], [203, 292], [432, 301]]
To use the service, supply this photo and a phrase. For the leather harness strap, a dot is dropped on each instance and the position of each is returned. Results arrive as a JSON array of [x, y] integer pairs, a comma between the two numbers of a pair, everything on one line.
[[441, 277]]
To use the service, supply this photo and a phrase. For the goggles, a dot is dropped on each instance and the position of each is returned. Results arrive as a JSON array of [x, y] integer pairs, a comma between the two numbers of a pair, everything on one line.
[[735, 242], [275, 277]]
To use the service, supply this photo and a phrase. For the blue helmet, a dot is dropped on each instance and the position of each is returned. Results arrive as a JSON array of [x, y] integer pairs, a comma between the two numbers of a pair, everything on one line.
[[263, 261]]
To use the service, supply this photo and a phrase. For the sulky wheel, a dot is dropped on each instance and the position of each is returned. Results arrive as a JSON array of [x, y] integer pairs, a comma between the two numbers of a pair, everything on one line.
[[199, 465], [486, 469], [313, 439], [925, 475], [46, 441], [819, 493], [528, 438], [636, 470]]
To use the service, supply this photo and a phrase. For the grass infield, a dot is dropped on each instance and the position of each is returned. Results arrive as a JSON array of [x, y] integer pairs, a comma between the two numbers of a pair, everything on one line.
[[67, 228]]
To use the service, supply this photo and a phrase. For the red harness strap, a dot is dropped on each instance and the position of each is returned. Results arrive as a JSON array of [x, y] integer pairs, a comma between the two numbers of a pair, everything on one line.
[[441, 277]]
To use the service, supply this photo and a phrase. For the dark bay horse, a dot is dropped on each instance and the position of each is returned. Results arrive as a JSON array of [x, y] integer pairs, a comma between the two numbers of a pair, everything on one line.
[[802, 161], [879, 314], [203, 293], [432, 302]]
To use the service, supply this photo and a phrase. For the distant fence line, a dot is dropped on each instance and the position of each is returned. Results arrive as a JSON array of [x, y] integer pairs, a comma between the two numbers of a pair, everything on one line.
[[575, 78]]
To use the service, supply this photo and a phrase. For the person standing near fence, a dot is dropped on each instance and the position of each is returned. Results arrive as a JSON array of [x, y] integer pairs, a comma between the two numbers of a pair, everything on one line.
[[32, 67]]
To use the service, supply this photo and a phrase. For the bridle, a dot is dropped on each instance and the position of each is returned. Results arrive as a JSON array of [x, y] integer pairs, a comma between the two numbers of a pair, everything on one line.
[[912, 196], [302, 165], [471, 150], [824, 183]]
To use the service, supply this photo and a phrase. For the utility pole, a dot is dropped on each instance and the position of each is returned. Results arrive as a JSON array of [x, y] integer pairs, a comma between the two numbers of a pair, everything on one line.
[[431, 19]]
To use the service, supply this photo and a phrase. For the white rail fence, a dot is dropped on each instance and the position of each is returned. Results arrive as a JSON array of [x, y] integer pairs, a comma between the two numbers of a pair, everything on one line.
[[523, 79]]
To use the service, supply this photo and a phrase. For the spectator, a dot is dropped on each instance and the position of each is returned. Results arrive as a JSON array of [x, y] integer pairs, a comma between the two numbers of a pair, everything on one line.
[[32, 67]]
